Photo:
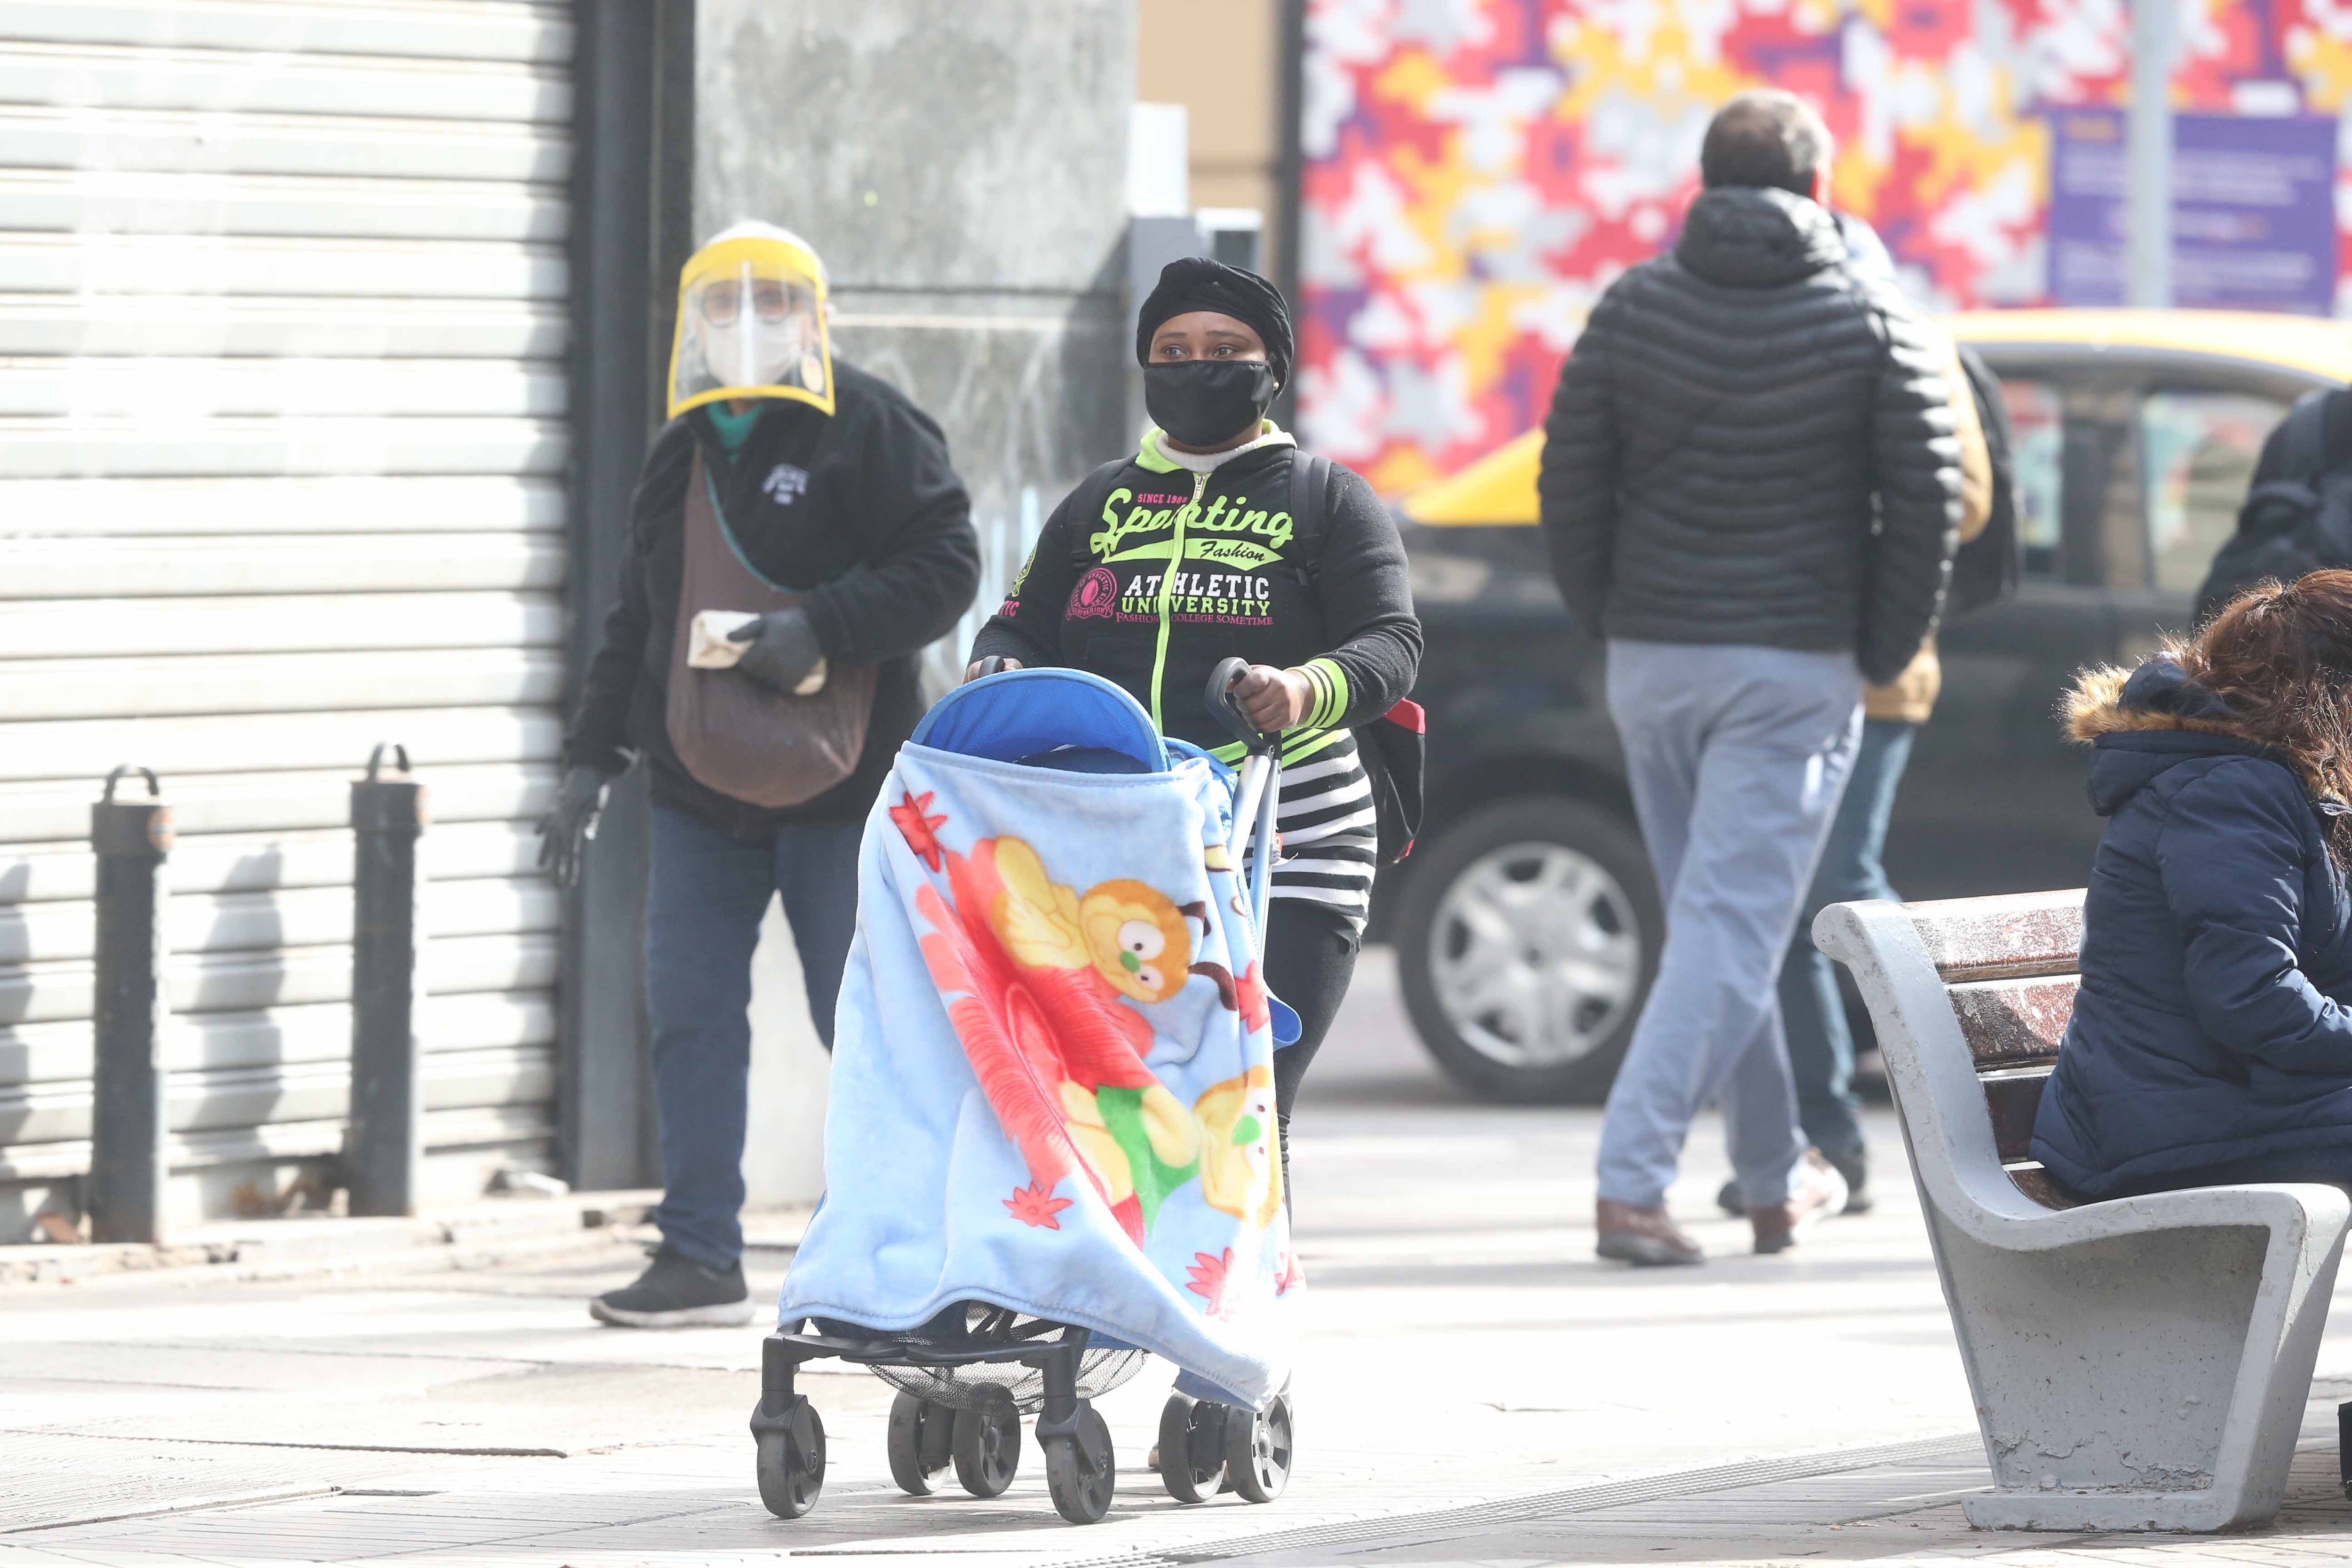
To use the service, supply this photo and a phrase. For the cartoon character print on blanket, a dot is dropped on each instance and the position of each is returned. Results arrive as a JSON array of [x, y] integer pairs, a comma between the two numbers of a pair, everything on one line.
[[1046, 981], [1051, 1086]]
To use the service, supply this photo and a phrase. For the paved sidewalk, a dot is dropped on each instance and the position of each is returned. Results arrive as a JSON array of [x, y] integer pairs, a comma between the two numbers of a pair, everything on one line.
[[1477, 1388]]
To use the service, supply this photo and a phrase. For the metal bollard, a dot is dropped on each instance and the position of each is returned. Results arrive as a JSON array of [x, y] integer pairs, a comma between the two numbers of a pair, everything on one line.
[[131, 839], [385, 1141]]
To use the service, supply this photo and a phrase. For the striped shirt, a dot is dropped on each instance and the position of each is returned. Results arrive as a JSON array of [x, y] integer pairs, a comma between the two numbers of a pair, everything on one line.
[[1331, 842]]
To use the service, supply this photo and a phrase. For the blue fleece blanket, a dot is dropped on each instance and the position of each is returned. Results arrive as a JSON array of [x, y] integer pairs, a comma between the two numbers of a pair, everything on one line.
[[1052, 1077]]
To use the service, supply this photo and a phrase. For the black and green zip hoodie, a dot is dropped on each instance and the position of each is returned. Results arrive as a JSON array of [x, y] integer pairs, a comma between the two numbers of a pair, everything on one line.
[[1150, 576]]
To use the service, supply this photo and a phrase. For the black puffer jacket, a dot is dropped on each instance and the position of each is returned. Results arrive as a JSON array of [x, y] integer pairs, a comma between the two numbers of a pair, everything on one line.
[[1720, 433]]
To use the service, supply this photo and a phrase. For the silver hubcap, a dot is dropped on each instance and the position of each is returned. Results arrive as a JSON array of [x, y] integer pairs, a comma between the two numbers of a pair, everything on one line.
[[1535, 954]]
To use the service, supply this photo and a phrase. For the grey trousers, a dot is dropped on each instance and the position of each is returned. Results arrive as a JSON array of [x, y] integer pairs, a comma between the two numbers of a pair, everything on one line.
[[1738, 756]]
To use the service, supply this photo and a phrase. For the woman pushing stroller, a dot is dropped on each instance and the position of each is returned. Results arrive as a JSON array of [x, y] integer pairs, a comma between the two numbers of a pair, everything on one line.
[[1051, 1145], [1204, 545]]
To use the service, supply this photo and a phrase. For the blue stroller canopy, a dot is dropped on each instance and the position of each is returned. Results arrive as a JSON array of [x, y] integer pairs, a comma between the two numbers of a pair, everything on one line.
[[1020, 714]]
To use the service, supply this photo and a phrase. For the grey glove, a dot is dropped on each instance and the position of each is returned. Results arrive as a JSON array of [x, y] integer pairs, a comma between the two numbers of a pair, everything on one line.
[[783, 649], [564, 832]]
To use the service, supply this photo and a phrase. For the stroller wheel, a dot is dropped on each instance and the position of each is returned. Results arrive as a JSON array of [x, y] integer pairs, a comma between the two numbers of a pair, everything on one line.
[[922, 1440], [987, 1448], [791, 1462], [1192, 1447], [1080, 1470], [1257, 1451]]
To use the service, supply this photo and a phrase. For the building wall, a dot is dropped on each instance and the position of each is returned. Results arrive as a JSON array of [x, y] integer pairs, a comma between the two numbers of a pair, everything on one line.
[[962, 170], [1221, 59]]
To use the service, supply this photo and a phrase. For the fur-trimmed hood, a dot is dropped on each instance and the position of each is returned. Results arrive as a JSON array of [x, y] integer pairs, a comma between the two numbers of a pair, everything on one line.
[[2159, 695], [2145, 720]]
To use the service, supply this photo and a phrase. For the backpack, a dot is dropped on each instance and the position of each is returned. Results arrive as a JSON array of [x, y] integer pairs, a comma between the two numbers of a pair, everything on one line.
[[1985, 570], [1393, 747], [2294, 524]]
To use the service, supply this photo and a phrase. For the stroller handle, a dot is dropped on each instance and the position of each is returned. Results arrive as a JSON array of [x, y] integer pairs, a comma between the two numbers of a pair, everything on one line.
[[1228, 713], [1260, 786]]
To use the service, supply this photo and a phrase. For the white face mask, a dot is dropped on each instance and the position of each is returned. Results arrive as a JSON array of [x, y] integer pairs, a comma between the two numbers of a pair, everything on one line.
[[752, 350]]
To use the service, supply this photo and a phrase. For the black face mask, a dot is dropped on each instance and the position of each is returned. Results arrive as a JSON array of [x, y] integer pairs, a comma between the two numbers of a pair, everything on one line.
[[1201, 402]]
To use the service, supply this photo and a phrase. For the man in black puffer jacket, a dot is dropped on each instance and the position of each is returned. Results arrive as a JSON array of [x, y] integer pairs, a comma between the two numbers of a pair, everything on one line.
[[1751, 486]]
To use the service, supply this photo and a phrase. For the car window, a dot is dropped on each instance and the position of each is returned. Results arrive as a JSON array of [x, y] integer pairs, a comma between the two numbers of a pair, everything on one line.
[[2198, 451], [2038, 427]]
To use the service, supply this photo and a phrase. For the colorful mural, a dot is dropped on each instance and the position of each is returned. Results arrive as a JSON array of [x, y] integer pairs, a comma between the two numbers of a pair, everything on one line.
[[1477, 170]]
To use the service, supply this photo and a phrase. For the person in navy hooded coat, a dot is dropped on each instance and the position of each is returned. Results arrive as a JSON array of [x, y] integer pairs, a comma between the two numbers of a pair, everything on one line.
[[2211, 1039]]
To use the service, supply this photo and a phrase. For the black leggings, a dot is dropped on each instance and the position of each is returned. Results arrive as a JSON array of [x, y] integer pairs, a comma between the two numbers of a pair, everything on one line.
[[1310, 956]]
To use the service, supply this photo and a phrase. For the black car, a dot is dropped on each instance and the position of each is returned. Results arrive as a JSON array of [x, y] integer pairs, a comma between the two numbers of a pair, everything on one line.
[[1527, 922]]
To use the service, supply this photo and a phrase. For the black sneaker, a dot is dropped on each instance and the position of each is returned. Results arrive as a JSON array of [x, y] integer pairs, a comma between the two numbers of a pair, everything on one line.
[[675, 1292]]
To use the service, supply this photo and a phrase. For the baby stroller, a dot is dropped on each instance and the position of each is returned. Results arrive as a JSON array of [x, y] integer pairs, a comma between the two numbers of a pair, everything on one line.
[[1103, 1055]]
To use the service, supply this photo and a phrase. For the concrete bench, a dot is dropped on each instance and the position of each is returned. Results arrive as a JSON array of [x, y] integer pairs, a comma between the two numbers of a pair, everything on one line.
[[2136, 1365]]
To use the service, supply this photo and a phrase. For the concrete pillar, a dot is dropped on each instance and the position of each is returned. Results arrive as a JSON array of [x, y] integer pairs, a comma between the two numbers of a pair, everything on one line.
[[2148, 204], [631, 154], [962, 167]]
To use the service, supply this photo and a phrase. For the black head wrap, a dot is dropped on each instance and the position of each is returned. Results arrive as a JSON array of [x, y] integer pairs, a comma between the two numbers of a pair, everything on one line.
[[1198, 283]]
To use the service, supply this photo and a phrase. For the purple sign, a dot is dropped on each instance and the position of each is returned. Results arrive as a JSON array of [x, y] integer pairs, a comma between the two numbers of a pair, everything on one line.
[[2253, 210]]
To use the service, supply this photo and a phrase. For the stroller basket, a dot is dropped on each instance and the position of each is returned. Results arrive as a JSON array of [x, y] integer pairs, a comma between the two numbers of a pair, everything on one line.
[[934, 1363], [967, 1376], [978, 1384]]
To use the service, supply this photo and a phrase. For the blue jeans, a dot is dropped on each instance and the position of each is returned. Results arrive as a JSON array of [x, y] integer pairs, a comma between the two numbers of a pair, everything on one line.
[[709, 895], [1821, 1045], [1736, 756]]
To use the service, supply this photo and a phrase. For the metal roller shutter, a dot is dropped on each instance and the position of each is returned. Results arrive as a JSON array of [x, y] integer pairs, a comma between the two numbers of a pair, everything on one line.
[[282, 442]]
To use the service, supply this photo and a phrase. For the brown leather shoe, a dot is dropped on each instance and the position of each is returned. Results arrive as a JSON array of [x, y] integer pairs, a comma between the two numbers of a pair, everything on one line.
[[1821, 1193], [1645, 1238]]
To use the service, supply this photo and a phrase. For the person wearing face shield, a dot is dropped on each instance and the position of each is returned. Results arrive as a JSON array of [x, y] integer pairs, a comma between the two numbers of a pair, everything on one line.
[[797, 537], [1218, 538]]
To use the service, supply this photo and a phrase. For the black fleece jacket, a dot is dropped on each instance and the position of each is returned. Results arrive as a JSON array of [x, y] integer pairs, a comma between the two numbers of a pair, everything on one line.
[[1097, 594], [860, 511], [1752, 444]]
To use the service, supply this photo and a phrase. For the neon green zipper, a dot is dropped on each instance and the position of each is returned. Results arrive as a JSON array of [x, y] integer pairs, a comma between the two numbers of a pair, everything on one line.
[[1168, 599]]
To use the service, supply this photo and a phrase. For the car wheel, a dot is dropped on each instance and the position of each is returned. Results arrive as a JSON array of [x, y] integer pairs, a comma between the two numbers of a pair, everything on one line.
[[1526, 942]]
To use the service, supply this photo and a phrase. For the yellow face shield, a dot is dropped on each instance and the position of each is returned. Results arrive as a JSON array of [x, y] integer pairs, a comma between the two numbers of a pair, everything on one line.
[[751, 323]]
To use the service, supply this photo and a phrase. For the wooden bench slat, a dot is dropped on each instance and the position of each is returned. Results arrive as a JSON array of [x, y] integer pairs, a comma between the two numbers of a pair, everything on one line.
[[2013, 1095], [1986, 939], [2042, 1187], [2012, 1023]]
